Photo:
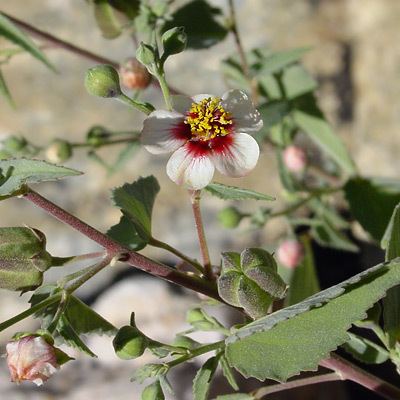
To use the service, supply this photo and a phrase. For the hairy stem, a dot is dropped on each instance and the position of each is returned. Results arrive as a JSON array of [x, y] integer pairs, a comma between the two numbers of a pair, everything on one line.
[[311, 380], [195, 199], [62, 44], [162, 245], [196, 352], [165, 90], [351, 372], [130, 257]]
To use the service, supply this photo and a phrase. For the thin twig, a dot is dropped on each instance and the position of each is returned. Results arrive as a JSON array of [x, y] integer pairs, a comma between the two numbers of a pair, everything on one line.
[[242, 54], [353, 373], [311, 380], [62, 44], [195, 199]]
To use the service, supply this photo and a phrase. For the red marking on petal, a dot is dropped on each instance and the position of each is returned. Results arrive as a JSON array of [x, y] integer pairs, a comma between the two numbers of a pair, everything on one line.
[[198, 148], [221, 144], [182, 131]]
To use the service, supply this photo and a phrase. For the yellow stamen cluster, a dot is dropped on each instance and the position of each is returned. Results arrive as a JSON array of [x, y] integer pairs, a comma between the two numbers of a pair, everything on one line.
[[208, 119]]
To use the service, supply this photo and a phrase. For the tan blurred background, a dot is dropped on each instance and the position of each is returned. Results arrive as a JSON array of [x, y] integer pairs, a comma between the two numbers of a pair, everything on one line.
[[356, 58]]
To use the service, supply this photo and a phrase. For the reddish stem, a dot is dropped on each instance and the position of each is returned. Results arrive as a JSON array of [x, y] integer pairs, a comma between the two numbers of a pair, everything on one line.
[[130, 257], [351, 372], [195, 199]]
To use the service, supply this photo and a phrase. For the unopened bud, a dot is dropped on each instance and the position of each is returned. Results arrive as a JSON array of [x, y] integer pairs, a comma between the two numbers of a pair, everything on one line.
[[103, 81], [174, 41], [59, 151], [153, 392], [145, 54], [14, 144], [229, 217], [130, 343], [295, 159], [134, 75], [31, 358], [290, 253]]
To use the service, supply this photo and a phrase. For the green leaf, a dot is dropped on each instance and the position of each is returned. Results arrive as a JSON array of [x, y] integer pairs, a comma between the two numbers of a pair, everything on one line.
[[201, 27], [202, 321], [365, 350], [304, 280], [85, 320], [149, 371], [273, 112], [322, 135], [136, 201], [228, 373], [71, 337], [125, 233], [373, 215], [233, 73], [153, 392], [15, 35], [327, 235], [4, 90], [226, 192], [202, 380], [265, 349], [275, 62], [106, 20], [297, 81], [391, 303], [14, 173]]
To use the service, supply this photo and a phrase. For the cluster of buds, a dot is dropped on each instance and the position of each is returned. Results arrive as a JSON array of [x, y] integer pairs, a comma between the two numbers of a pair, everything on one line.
[[290, 253]]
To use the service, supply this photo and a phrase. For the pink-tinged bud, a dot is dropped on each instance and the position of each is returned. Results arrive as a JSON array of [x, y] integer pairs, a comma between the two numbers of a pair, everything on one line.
[[295, 159], [290, 253], [134, 75], [31, 358]]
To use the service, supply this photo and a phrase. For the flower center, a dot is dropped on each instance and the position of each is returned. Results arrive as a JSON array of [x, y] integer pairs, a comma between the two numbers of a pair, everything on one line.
[[208, 119]]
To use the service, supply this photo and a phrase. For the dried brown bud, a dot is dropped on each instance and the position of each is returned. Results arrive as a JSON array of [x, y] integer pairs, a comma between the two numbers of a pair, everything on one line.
[[134, 75]]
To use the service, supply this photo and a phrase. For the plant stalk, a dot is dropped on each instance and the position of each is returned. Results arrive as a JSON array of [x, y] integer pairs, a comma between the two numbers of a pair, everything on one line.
[[132, 258], [195, 199], [351, 372]]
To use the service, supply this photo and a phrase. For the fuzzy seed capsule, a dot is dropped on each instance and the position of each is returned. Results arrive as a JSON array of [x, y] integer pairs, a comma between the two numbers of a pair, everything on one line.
[[295, 159], [134, 75], [290, 253]]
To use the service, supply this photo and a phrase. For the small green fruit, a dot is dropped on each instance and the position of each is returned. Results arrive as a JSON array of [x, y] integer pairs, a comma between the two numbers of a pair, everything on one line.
[[146, 55], [129, 343], [14, 144], [103, 81], [229, 217], [59, 151]]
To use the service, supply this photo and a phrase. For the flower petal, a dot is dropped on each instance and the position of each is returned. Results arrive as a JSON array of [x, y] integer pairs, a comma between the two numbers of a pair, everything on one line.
[[182, 103], [191, 168], [245, 116], [200, 97], [162, 132], [238, 156]]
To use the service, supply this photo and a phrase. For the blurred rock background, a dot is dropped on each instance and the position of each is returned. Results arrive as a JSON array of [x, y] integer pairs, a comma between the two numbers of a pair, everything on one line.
[[355, 56]]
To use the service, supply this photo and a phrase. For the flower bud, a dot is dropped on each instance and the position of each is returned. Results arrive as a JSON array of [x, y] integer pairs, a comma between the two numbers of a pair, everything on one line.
[[59, 151], [290, 253], [295, 159], [14, 144], [145, 54], [103, 81], [31, 358], [153, 392], [174, 41], [129, 343], [229, 217], [134, 75], [23, 258]]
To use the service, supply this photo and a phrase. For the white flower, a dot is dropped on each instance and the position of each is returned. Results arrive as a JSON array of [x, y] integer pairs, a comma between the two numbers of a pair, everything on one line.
[[203, 133], [31, 359]]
